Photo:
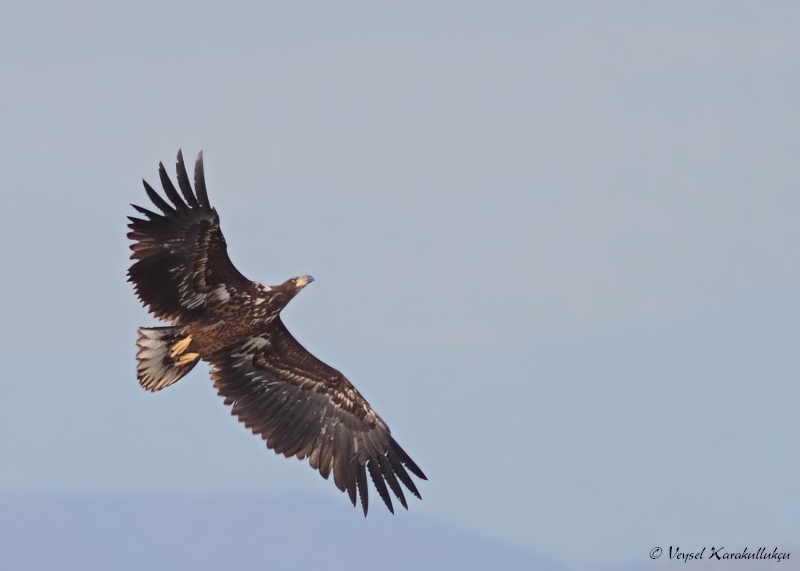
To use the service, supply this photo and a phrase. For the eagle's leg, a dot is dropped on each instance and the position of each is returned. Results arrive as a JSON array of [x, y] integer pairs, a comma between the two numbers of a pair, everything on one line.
[[181, 346]]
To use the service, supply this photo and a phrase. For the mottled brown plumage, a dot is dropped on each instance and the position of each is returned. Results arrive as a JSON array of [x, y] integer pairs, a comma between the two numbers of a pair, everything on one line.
[[299, 405]]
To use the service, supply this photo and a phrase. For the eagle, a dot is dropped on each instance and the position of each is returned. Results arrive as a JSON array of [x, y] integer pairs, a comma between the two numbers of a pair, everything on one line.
[[299, 405]]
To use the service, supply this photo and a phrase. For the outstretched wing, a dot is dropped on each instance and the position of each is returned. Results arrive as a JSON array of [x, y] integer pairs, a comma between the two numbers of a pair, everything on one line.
[[302, 407], [181, 258]]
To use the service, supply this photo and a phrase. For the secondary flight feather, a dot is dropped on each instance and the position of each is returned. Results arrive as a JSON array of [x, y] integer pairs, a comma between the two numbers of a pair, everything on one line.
[[299, 405]]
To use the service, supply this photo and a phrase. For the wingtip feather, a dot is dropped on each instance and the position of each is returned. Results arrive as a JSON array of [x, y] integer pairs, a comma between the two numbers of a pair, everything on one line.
[[200, 181], [160, 203], [183, 181], [363, 491], [169, 188]]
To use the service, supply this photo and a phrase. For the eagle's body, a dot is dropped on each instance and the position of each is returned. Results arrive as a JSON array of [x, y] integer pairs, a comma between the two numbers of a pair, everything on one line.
[[298, 404]]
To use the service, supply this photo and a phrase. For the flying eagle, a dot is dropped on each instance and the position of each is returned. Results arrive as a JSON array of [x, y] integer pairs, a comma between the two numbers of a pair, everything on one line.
[[299, 405]]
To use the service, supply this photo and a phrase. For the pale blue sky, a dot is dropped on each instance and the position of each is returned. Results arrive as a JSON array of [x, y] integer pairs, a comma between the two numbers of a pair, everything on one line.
[[555, 245]]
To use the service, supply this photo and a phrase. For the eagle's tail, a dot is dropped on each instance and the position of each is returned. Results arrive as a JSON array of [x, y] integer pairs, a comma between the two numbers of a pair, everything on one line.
[[164, 356]]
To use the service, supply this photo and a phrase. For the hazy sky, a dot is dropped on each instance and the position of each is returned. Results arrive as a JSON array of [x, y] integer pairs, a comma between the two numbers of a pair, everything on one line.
[[555, 245]]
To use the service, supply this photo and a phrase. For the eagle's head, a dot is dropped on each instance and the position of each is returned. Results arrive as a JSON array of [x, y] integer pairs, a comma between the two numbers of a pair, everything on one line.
[[284, 293], [300, 282]]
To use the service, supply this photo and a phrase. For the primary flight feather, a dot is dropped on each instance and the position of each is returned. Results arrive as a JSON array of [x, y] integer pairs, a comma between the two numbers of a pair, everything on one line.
[[299, 405]]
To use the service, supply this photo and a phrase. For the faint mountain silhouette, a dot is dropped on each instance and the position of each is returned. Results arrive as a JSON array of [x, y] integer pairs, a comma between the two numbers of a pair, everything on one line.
[[238, 534]]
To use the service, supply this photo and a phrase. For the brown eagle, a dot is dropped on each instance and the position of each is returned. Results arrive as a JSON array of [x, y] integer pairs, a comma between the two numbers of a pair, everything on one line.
[[299, 405]]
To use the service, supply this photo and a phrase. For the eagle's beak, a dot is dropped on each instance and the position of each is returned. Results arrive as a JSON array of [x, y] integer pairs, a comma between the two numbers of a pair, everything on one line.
[[303, 281]]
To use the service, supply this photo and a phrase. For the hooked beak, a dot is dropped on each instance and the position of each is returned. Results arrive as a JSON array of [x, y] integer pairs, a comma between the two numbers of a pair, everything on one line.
[[302, 281]]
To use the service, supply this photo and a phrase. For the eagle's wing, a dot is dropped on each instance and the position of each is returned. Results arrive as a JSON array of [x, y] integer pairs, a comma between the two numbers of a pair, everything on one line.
[[181, 257], [302, 407]]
